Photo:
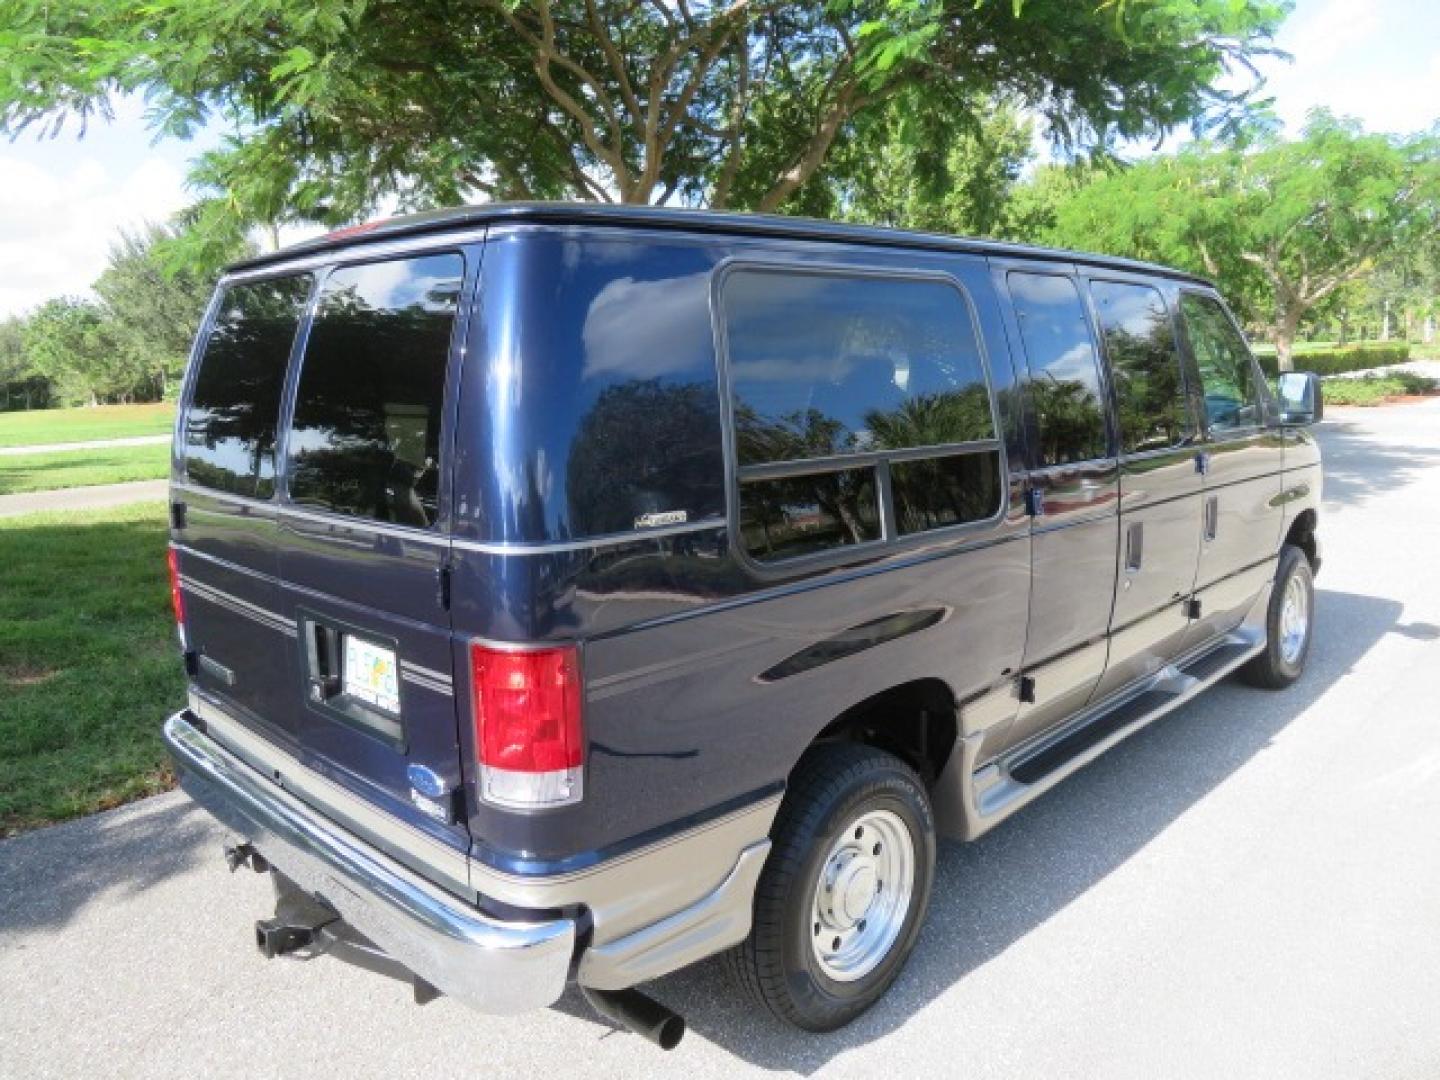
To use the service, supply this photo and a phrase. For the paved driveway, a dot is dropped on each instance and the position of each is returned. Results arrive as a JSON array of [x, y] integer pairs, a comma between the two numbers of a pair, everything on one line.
[[1249, 888]]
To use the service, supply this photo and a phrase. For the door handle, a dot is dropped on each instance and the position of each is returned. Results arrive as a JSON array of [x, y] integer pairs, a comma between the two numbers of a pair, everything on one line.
[[1212, 517], [1134, 546], [322, 648]]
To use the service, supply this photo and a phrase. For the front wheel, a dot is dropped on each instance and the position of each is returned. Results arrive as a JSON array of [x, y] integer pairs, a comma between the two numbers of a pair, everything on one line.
[[844, 891], [1289, 624]]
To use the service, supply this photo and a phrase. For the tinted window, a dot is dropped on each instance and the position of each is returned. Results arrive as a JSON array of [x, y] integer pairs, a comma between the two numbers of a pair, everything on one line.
[[1064, 377], [234, 410], [1144, 364], [1226, 373], [801, 515], [366, 434], [825, 364], [933, 493]]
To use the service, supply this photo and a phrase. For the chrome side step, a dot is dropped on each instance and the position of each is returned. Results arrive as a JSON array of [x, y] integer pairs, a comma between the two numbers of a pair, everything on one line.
[[1004, 786]]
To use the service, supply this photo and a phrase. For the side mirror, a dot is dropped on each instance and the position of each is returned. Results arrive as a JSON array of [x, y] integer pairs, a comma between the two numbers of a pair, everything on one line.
[[1301, 401]]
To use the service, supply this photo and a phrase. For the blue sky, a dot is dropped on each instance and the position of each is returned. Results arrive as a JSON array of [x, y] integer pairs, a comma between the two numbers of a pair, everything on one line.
[[64, 200]]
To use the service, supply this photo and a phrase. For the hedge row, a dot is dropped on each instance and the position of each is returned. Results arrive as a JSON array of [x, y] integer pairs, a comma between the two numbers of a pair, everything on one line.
[[1338, 361]]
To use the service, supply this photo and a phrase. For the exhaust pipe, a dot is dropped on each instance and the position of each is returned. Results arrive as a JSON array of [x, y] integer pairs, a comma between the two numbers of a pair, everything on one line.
[[640, 1013]]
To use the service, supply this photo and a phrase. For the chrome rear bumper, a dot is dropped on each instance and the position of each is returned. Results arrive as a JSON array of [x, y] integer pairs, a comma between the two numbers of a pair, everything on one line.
[[491, 965]]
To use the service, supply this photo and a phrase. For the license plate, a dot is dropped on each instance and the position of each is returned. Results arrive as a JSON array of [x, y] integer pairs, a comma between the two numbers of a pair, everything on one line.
[[371, 674]]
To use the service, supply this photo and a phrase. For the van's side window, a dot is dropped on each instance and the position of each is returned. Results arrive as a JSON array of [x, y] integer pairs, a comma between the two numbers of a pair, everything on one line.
[[827, 366], [1232, 398], [1064, 381], [365, 439], [1144, 364], [824, 364], [230, 424]]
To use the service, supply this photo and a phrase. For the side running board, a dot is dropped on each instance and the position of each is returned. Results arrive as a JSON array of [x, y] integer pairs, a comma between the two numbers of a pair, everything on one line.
[[1008, 784]]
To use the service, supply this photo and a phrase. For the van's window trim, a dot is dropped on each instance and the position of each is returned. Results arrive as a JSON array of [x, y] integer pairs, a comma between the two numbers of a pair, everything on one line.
[[1177, 332], [890, 541], [1262, 386]]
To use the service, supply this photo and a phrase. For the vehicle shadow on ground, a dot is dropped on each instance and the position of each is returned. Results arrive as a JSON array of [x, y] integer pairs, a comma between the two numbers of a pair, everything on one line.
[[991, 893], [50, 876], [1361, 464]]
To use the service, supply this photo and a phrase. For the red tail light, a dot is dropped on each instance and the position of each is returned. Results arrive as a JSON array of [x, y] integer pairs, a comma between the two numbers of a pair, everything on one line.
[[528, 730], [177, 601]]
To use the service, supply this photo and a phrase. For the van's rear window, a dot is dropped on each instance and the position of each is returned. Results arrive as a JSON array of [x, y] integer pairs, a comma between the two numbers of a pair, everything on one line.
[[230, 424], [365, 440]]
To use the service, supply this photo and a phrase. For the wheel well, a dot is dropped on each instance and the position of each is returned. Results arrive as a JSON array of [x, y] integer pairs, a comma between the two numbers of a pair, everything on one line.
[[915, 721], [1302, 535]]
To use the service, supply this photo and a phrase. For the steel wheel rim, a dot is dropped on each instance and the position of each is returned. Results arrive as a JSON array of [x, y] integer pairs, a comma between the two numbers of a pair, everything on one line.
[[1294, 620], [862, 896]]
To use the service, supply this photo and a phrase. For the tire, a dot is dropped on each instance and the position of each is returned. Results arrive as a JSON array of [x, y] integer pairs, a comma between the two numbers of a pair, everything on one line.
[[1287, 644], [844, 805]]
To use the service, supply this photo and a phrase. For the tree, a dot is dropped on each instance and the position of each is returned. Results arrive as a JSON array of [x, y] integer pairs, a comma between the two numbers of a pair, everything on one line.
[[154, 303], [911, 166], [1281, 226], [72, 344], [21, 385], [339, 104]]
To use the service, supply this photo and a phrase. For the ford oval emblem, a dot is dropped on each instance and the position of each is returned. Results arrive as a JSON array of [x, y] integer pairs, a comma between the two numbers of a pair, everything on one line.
[[426, 781]]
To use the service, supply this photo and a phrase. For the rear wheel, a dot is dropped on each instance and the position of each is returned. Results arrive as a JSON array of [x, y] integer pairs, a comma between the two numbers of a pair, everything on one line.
[[1289, 623], [842, 896]]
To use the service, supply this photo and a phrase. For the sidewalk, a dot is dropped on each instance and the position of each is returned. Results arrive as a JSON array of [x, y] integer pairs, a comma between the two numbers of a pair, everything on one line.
[[89, 444], [82, 498]]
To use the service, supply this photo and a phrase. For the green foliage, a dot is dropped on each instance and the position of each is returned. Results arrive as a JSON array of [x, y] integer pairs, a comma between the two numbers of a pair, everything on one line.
[[1376, 389], [338, 105], [131, 342], [912, 167], [1337, 361], [88, 662], [1279, 225], [70, 343]]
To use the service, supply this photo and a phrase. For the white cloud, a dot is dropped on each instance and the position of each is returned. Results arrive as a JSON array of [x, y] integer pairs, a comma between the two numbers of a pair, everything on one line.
[[57, 223], [1336, 29]]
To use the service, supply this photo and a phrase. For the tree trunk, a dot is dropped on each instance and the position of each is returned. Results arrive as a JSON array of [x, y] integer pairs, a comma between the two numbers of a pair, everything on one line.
[[1285, 329]]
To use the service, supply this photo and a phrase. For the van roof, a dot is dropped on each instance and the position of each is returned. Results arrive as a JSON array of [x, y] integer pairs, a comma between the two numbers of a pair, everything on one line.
[[687, 220]]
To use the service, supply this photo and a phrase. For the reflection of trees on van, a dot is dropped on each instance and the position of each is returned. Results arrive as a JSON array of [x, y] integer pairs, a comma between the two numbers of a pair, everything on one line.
[[366, 435], [1071, 423], [952, 416], [799, 515], [1147, 385], [230, 426], [955, 416], [646, 447]]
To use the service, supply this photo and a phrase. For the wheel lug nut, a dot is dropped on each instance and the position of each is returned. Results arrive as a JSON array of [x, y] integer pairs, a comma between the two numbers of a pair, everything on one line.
[[835, 945], [875, 850]]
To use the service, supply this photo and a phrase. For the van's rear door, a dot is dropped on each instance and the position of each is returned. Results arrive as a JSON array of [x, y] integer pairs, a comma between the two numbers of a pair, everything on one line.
[[363, 545], [224, 512]]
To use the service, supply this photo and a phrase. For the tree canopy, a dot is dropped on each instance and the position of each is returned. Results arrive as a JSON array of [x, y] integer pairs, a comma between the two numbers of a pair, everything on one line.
[[338, 105], [1282, 225]]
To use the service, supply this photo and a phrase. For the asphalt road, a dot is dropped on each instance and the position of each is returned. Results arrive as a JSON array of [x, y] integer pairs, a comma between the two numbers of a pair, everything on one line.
[[1249, 888]]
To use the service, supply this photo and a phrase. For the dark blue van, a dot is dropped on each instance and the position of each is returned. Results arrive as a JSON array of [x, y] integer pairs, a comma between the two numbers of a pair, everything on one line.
[[570, 593]]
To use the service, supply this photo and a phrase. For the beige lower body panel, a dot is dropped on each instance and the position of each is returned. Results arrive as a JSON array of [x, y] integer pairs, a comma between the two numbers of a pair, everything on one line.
[[624, 894]]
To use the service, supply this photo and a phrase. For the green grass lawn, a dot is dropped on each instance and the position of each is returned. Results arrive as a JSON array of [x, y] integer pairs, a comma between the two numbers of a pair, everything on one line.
[[39, 426], [89, 665], [77, 468]]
